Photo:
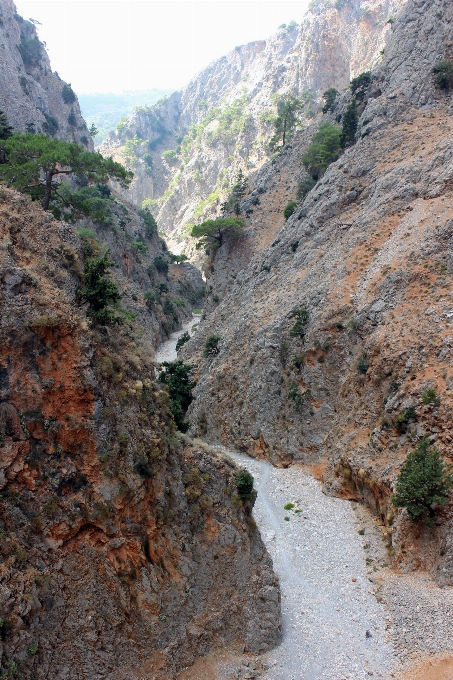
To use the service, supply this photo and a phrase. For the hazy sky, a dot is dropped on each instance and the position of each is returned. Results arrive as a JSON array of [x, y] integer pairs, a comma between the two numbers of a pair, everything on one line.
[[115, 45]]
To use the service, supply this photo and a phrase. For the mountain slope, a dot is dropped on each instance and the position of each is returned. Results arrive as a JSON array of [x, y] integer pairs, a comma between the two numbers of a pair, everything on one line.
[[31, 95], [221, 122], [367, 255]]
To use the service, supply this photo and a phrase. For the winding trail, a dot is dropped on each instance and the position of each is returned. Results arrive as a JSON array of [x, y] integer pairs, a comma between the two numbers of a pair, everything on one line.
[[167, 350], [328, 604], [333, 626]]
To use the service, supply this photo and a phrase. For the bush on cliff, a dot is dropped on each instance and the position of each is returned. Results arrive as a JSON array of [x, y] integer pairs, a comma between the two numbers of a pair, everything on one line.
[[325, 149], [444, 74], [244, 484], [99, 291], [424, 482], [176, 377]]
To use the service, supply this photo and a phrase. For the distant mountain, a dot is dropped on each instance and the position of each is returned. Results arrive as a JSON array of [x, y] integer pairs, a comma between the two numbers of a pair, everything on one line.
[[106, 110]]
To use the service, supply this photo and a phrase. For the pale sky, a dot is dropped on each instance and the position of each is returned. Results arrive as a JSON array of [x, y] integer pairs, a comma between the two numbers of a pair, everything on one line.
[[116, 45]]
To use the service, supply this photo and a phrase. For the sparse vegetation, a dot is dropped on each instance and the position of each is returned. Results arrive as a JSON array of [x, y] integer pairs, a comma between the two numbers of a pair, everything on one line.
[[362, 365], [305, 186], [297, 396], [403, 418], [444, 74], [423, 484], [67, 94], [429, 396], [324, 149], [213, 233], [360, 83], [99, 291], [289, 209], [244, 484], [185, 337], [350, 122], [211, 346], [176, 377], [286, 120], [302, 316], [329, 97]]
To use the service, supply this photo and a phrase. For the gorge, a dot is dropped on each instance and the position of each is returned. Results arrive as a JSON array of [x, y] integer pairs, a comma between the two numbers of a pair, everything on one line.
[[319, 358]]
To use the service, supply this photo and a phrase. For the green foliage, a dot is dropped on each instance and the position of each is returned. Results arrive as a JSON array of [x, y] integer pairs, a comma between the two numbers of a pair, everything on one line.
[[288, 506], [360, 83], [298, 397], [150, 298], [232, 120], [301, 315], [424, 482], [50, 126], [93, 130], [350, 122], [244, 484], [444, 74], [32, 649], [34, 161], [170, 156], [362, 365], [91, 201], [286, 122], [403, 418], [67, 94], [185, 337], [177, 259], [72, 119], [329, 97], [289, 209], [211, 346], [139, 246], [176, 377], [99, 291], [168, 308], [324, 149], [6, 130], [429, 396], [236, 195], [142, 467], [150, 222], [305, 186], [160, 264], [213, 233], [30, 50]]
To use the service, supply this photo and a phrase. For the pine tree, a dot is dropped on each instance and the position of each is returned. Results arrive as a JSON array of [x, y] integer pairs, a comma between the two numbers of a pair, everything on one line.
[[5, 130], [424, 481], [350, 122], [329, 97]]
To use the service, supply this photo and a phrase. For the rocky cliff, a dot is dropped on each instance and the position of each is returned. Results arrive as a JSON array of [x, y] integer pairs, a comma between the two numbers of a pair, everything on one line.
[[125, 550], [222, 121], [367, 256], [33, 97]]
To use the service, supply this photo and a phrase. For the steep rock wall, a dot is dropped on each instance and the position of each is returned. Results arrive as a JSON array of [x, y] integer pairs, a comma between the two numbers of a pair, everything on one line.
[[367, 254], [331, 45], [30, 93], [124, 550]]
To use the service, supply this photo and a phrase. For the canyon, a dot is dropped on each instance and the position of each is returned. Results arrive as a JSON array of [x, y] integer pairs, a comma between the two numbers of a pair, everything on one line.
[[128, 549]]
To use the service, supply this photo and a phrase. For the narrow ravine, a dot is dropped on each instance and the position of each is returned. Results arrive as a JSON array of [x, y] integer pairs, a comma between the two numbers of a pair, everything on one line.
[[333, 626]]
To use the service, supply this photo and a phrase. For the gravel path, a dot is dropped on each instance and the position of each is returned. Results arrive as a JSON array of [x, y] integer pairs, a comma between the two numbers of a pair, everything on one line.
[[328, 603], [167, 350]]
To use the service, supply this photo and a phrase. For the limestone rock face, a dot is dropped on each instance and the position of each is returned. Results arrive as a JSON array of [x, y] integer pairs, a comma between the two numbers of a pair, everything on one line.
[[221, 122], [125, 550], [367, 255], [31, 95]]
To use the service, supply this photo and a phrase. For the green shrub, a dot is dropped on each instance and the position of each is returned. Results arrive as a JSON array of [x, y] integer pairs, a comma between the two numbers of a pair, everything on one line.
[[359, 84], [30, 50], [288, 506], [350, 122], [302, 316], [67, 94], [244, 484], [290, 208], [185, 337], [32, 649], [5, 129], [99, 291], [176, 377], [211, 346], [160, 264], [213, 233], [168, 308], [444, 74], [51, 125], [429, 396], [150, 222], [329, 97], [404, 417], [362, 365], [424, 482], [325, 149], [139, 246], [305, 186], [150, 298], [298, 397], [72, 120]]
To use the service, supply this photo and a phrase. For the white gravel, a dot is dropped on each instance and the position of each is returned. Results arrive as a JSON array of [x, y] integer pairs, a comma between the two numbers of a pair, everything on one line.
[[167, 350], [317, 554]]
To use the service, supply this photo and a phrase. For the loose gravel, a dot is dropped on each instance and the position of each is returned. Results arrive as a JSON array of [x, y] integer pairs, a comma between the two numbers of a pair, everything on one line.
[[333, 626], [167, 350]]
